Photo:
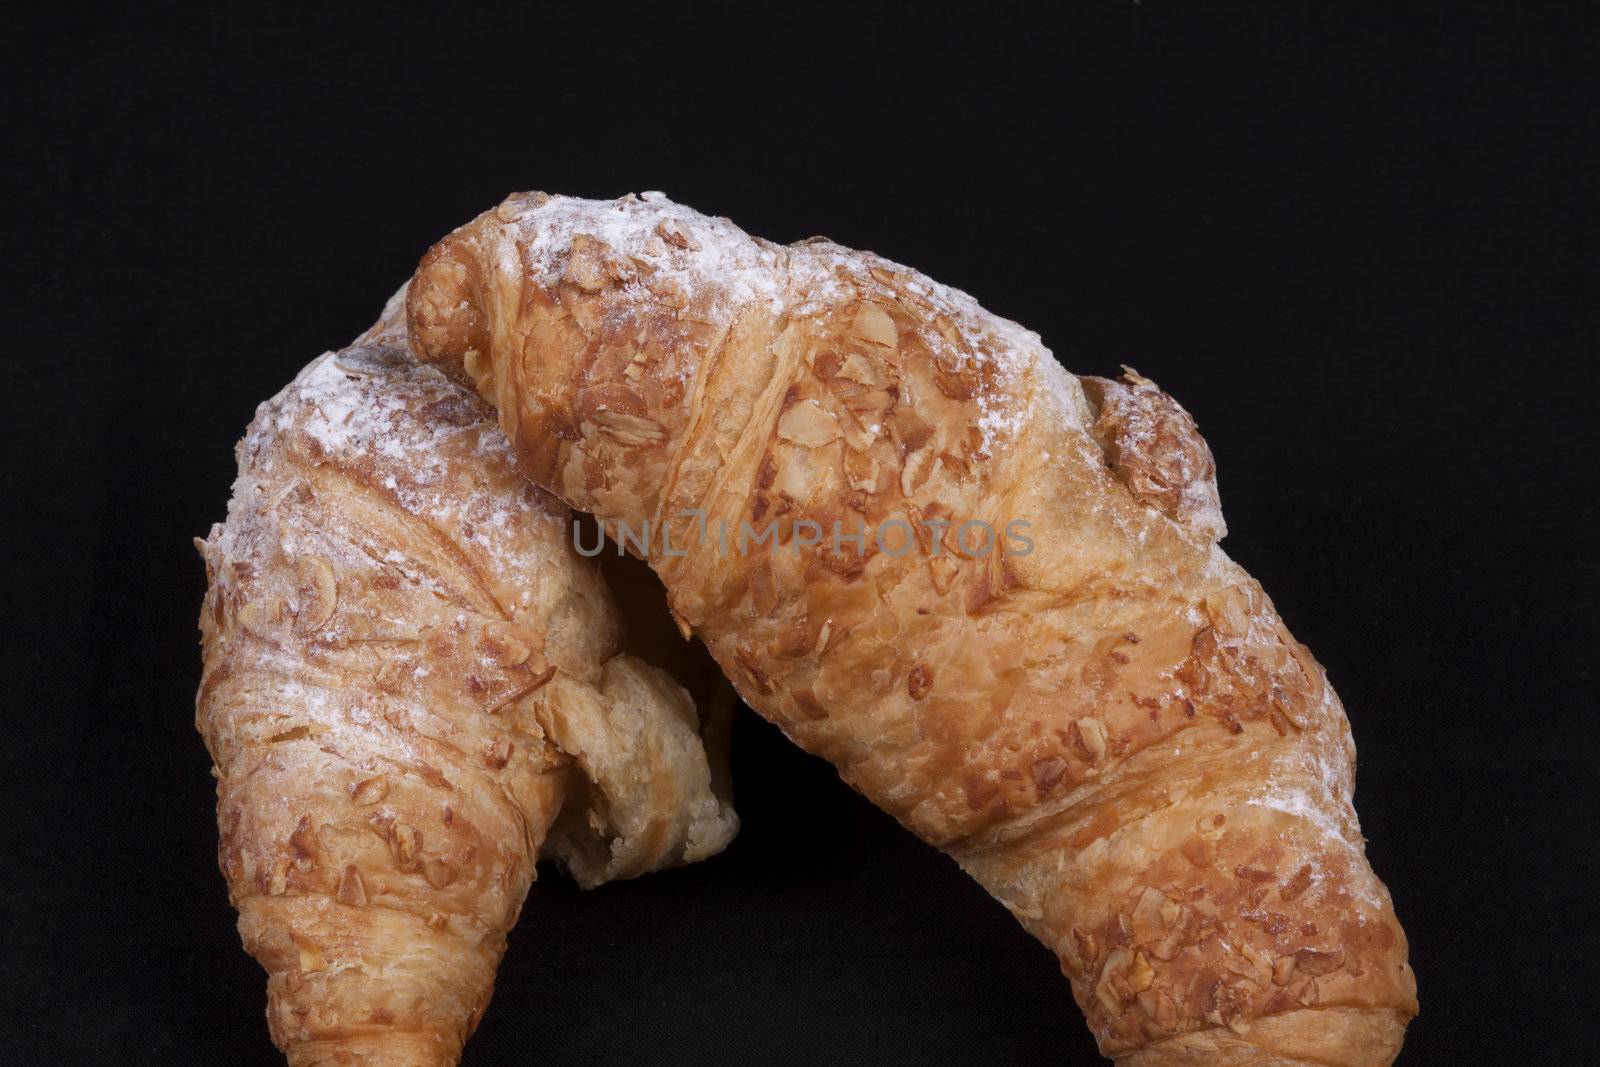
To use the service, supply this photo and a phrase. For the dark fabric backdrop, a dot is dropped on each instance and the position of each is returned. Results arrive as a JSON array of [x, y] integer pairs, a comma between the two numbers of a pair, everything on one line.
[[1356, 246]]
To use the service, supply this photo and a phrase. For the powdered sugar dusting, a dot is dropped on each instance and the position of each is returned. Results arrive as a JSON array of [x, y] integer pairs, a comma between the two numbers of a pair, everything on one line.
[[675, 246], [1011, 359], [406, 433], [1311, 784], [670, 254]]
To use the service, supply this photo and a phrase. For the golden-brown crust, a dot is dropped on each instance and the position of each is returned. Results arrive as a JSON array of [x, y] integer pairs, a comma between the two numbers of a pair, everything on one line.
[[412, 686], [1111, 730], [1153, 447], [1325, 1037]]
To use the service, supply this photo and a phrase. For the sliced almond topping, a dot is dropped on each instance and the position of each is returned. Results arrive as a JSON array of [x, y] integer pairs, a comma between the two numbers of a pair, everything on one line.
[[628, 429], [352, 890], [1091, 739], [586, 264], [856, 435], [1296, 885], [809, 705], [1048, 771], [1140, 974], [668, 291], [1180, 931], [505, 644], [279, 883], [1111, 976], [405, 845], [262, 617], [1086, 944], [823, 636], [873, 325], [1282, 970], [957, 385], [1259, 965], [303, 842], [914, 473], [942, 572], [499, 753], [860, 470], [1147, 922], [516, 653], [311, 960], [824, 362], [635, 368], [438, 873], [795, 641], [1230, 610], [857, 368], [674, 235], [318, 592], [1197, 850], [1317, 962], [519, 206], [369, 790], [807, 425]]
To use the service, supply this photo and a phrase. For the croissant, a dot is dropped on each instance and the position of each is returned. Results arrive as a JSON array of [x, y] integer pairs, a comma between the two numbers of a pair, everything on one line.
[[412, 691], [988, 591]]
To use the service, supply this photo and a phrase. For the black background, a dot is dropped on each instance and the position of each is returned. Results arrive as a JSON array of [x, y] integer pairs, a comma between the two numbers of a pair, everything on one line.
[[1356, 246]]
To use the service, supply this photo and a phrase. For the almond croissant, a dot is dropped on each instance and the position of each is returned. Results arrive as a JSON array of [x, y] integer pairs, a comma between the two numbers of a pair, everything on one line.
[[412, 691], [988, 591]]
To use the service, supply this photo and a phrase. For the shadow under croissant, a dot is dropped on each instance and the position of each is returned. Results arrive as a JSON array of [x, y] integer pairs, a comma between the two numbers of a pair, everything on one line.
[[653, 636]]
